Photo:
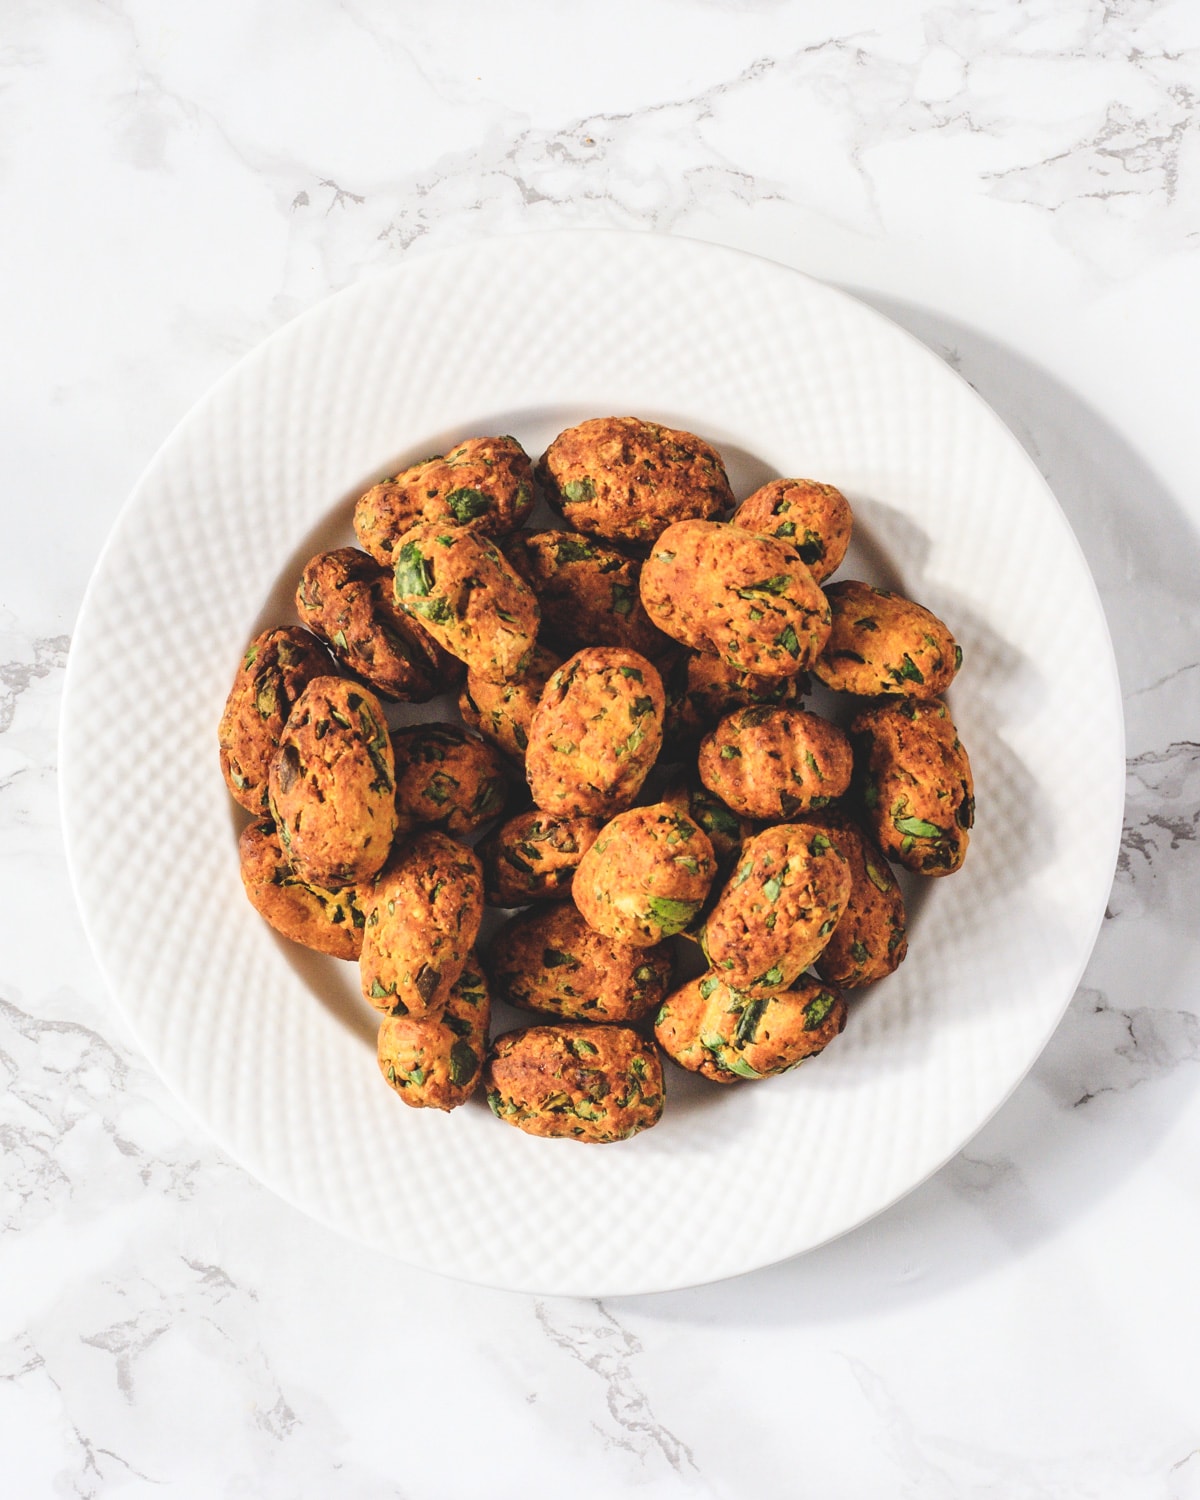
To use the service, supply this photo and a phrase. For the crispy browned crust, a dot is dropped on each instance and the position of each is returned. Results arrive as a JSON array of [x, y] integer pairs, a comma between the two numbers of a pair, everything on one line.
[[534, 856], [327, 921], [626, 479], [726, 830], [914, 783], [778, 908], [701, 689], [870, 940], [503, 711], [748, 599], [422, 917], [447, 778], [588, 592], [646, 877], [332, 784], [549, 960], [277, 667], [883, 643], [586, 1083], [484, 483], [595, 734], [816, 517], [724, 1035], [775, 762], [436, 1062], [460, 588]]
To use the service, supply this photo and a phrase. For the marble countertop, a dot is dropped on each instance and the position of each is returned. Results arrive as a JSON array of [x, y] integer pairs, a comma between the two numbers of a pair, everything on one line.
[[1016, 183]]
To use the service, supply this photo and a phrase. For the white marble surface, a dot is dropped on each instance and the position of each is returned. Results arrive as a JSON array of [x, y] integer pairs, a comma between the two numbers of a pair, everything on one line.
[[1018, 184]]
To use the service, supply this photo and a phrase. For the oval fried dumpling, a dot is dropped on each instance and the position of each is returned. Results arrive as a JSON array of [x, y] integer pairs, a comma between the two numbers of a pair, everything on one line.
[[327, 921], [277, 667], [533, 857], [503, 711], [816, 517], [882, 643], [711, 688], [646, 876], [775, 762], [436, 1062], [870, 939], [332, 784], [588, 592], [446, 777]]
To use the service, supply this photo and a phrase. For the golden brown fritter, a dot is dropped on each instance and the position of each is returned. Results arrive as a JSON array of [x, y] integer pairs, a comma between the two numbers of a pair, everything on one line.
[[870, 939], [461, 589], [503, 711], [724, 1035], [332, 784], [703, 688], [776, 913], [775, 762], [327, 921], [816, 517], [422, 917], [622, 478], [646, 876], [484, 483], [749, 599], [883, 643], [277, 667], [436, 1062], [549, 960], [915, 783], [588, 592], [345, 597], [447, 778], [595, 733], [726, 831], [589, 1083], [534, 856]]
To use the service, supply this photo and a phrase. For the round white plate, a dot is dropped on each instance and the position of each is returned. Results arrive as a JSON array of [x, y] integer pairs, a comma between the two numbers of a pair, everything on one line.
[[271, 1048]]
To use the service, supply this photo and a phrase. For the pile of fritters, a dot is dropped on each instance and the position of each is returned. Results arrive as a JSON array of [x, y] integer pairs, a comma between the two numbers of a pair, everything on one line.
[[659, 631]]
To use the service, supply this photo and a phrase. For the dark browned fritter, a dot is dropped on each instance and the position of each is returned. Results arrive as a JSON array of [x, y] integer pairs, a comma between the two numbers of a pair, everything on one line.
[[883, 643], [328, 921], [436, 1062], [422, 916], [626, 479], [503, 711], [749, 599], [870, 939], [345, 597], [332, 784], [725, 1035], [463, 591], [447, 778], [775, 762], [647, 875], [534, 856], [701, 689], [484, 483], [816, 517], [549, 960], [277, 667], [587, 1083], [915, 783], [588, 592]]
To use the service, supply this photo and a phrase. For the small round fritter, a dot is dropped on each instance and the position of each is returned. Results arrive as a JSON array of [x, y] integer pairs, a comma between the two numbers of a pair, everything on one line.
[[816, 517], [622, 478], [462, 590], [589, 1083], [549, 960], [870, 939], [328, 921], [345, 597], [915, 783], [503, 711], [726, 831], [333, 785], [588, 592], [724, 1035], [436, 1062], [775, 762], [749, 599], [422, 917], [484, 483], [595, 733], [534, 856], [447, 778], [884, 643], [776, 913], [711, 688], [646, 876], [277, 667]]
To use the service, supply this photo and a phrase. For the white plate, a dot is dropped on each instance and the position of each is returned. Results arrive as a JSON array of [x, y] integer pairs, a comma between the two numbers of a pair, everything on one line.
[[272, 1050]]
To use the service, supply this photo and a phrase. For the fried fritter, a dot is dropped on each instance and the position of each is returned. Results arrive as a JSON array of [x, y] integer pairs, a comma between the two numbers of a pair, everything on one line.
[[327, 921], [775, 762], [534, 856], [646, 876], [436, 1062], [447, 778], [816, 517], [883, 643], [277, 667]]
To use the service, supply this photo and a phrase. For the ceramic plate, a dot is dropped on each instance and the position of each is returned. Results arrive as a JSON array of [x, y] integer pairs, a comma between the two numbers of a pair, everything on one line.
[[272, 1048]]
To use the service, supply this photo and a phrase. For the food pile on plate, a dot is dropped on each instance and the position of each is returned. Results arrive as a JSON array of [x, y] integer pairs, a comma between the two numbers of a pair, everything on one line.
[[629, 689]]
